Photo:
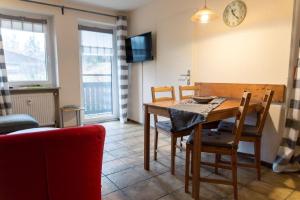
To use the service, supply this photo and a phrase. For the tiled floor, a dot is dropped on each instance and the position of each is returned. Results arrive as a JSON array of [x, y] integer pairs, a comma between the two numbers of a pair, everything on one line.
[[124, 177]]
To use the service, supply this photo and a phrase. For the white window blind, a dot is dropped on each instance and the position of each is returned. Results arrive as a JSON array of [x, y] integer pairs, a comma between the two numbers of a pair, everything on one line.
[[23, 23]]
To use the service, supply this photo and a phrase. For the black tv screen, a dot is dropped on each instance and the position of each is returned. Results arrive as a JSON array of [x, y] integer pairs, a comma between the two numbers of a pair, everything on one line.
[[139, 48]]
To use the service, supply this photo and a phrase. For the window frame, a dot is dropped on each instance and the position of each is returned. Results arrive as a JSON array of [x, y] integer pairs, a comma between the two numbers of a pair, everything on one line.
[[50, 64]]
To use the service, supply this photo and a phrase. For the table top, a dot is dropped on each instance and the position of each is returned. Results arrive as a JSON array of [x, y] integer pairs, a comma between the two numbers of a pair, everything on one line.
[[228, 106]]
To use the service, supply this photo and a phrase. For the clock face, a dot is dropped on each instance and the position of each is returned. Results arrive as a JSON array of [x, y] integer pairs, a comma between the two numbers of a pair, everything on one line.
[[235, 13]]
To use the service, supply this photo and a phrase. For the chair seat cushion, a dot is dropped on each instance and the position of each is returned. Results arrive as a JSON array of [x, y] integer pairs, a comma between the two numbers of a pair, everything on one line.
[[12, 123], [215, 139], [248, 130], [164, 125]]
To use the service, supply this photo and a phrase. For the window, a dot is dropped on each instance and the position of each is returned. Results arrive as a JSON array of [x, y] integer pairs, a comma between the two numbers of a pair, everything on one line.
[[25, 49]]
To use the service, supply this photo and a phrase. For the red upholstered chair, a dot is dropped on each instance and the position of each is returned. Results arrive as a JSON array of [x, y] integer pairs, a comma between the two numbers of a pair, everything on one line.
[[61, 164]]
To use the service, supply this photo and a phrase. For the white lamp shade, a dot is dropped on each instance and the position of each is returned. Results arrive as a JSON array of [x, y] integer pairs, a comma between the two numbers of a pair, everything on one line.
[[204, 16]]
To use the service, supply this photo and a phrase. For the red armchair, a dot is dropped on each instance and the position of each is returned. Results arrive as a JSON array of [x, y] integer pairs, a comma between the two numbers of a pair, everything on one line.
[[63, 164]]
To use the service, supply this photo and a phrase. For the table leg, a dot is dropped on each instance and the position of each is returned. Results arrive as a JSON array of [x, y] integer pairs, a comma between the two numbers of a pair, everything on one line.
[[196, 161], [77, 118], [146, 139], [62, 119]]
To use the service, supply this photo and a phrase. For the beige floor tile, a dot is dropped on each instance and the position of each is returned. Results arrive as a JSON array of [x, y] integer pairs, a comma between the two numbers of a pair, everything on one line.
[[146, 190], [272, 192], [246, 194], [291, 180], [128, 177], [244, 176], [206, 193], [222, 190], [122, 152], [294, 196], [118, 195], [181, 195], [112, 146], [114, 166], [108, 157], [107, 186], [166, 160], [155, 168], [180, 173], [134, 159], [177, 196], [168, 182]]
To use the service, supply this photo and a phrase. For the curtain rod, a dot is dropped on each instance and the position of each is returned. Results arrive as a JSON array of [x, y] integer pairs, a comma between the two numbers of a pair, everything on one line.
[[62, 7]]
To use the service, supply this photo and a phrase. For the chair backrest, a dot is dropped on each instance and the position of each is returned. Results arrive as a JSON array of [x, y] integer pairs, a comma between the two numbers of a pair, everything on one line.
[[240, 116], [262, 115], [195, 88], [166, 89]]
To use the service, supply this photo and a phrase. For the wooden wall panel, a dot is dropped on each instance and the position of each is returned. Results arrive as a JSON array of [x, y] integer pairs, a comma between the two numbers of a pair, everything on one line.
[[235, 90]]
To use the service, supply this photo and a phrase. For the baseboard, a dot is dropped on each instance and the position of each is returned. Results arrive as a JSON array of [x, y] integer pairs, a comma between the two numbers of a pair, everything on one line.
[[133, 121], [263, 163]]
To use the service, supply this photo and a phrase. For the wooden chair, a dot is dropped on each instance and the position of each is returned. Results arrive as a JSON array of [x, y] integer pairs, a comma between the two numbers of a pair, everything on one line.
[[221, 143], [166, 126], [182, 89], [253, 133], [196, 90]]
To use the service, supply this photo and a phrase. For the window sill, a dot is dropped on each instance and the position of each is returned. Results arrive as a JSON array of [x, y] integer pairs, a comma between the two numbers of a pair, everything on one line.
[[18, 90]]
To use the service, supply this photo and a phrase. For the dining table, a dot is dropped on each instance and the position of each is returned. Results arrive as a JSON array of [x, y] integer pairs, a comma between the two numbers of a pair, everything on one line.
[[225, 110]]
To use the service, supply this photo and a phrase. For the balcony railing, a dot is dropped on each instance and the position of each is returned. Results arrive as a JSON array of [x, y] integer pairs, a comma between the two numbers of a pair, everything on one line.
[[97, 97]]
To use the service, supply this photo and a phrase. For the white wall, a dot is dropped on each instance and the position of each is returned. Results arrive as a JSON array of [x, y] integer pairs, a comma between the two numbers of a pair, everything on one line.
[[67, 43], [257, 51]]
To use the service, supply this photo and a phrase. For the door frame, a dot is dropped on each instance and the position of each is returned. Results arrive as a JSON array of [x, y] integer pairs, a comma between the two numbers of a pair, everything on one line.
[[115, 90]]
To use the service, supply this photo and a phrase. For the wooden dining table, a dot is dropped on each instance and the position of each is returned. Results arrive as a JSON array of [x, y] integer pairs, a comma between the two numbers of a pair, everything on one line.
[[225, 110]]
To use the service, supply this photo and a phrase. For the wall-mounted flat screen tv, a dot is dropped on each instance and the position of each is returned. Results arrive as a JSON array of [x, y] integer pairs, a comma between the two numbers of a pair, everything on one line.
[[139, 48]]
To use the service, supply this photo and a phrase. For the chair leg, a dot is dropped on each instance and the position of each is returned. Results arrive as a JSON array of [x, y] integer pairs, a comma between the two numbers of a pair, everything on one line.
[[192, 162], [187, 169], [217, 160], [234, 174], [257, 158], [181, 146], [173, 153], [155, 138]]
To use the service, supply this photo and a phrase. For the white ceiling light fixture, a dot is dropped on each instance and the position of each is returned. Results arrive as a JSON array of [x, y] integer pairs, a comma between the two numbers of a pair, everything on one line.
[[204, 15]]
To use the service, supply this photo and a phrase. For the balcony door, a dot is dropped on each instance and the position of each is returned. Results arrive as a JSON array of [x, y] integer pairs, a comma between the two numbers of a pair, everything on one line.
[[98, 73]]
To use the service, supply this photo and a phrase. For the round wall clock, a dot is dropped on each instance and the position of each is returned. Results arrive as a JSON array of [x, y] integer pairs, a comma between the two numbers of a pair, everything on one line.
[[235, 13]]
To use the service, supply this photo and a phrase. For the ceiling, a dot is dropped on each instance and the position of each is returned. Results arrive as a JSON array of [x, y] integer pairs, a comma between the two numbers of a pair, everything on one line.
[[122, 5]]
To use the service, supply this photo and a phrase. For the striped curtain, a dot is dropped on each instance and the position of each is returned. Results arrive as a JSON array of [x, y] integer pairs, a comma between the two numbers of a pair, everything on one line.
[[5, 101], [288, 156], [122, 67]]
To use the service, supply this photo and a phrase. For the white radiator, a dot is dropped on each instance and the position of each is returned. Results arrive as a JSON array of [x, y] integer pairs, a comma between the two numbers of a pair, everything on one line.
[[41, 106]]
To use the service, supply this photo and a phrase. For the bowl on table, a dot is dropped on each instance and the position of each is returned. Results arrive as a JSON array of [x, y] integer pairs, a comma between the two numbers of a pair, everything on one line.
[[203, 100]]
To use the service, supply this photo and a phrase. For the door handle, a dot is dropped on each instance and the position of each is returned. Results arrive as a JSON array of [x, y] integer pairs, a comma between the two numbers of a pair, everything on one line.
[[187, 77]]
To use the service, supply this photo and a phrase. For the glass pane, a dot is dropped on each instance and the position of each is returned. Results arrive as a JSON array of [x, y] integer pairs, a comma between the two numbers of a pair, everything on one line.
[[96, 60], [17, 25], [25, 55], [38, 28], [6, 23], [27, 26]]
